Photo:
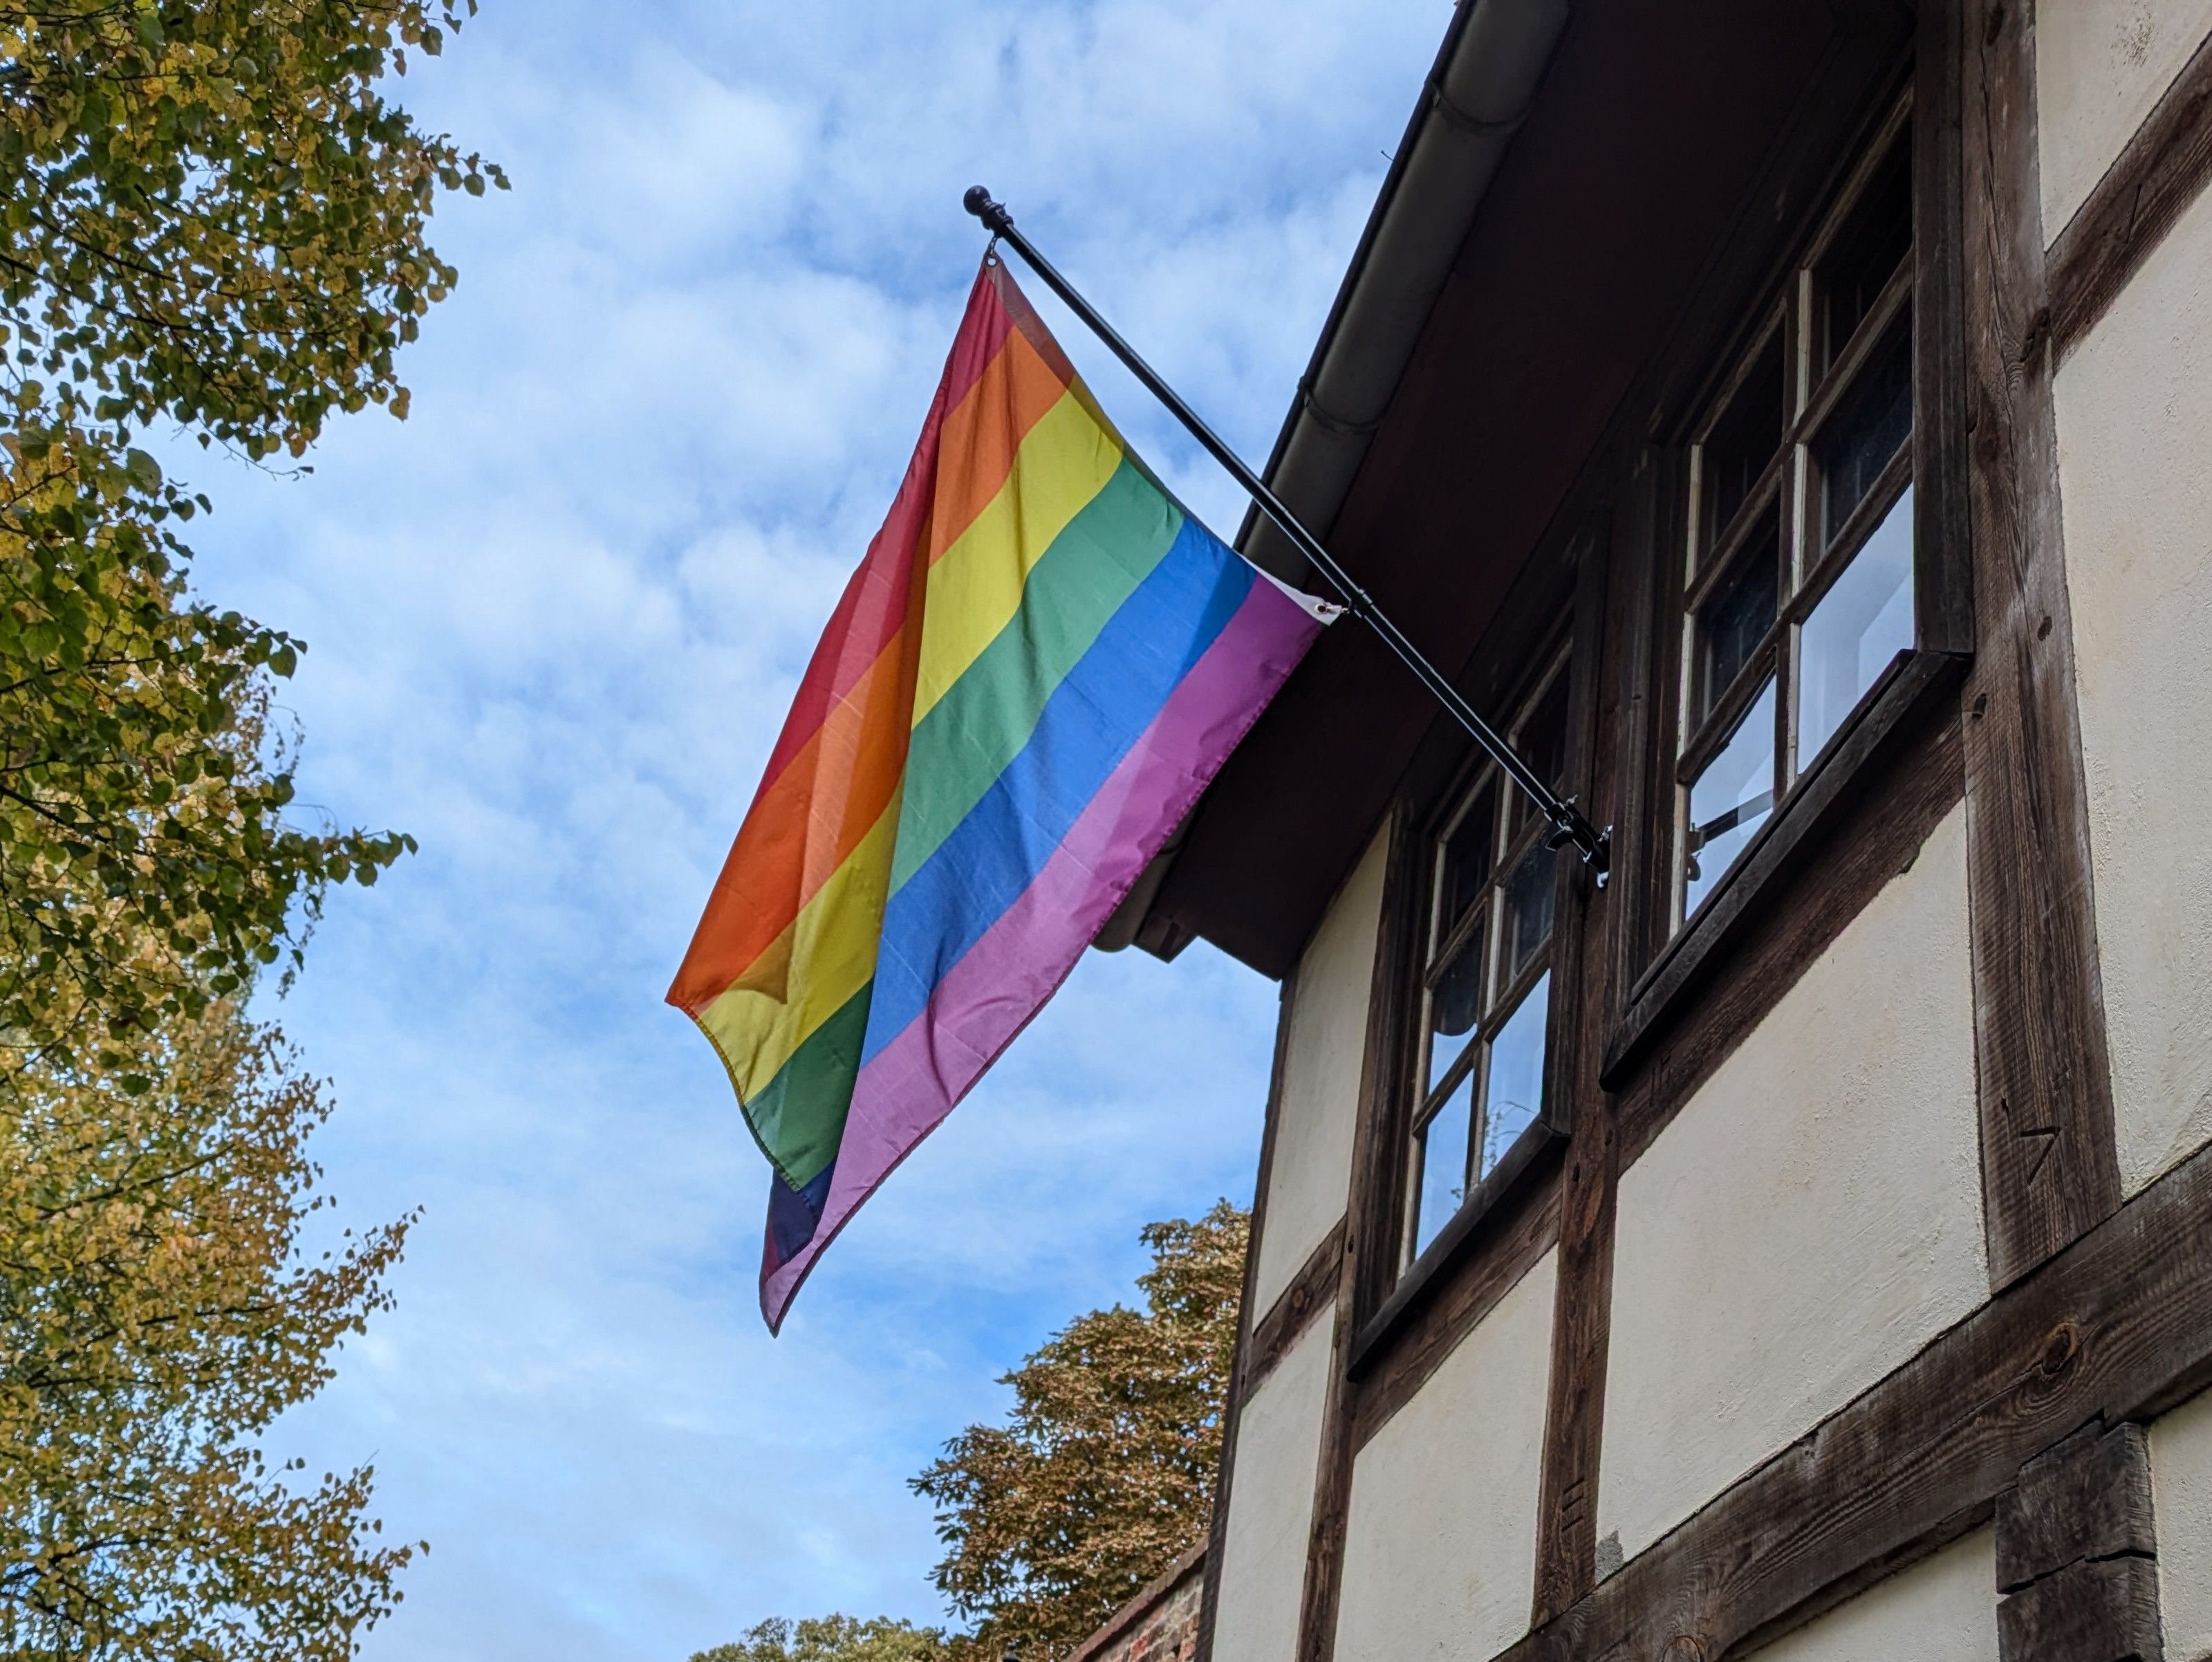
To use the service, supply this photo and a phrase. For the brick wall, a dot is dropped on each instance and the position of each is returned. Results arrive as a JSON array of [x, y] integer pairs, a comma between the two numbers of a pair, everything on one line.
[[1160, 1624]]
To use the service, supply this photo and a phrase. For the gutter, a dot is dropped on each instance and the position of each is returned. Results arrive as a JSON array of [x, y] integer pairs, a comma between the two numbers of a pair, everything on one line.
[[1477, 94]]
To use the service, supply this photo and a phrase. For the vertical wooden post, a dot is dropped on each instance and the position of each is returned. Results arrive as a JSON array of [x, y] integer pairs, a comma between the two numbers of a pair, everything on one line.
[[1566, 1514], [2048, 1169], [1943, 583], [1366, 1239], [2077, 1554]]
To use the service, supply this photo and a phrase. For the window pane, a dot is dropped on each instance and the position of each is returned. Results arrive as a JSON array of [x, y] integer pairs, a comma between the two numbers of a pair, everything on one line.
[[1867, 251], [1528, 894], [1443, 1165], [1743, 440], [1542, 742], [1731, 797], [1875, 419], [1467, 853], [1516, 1076], [1860, 625], [1454, 1005], [1734, 622]]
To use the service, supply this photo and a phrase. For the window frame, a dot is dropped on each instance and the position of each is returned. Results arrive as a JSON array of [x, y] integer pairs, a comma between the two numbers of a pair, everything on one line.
[[1668, 957], [1606, 579], [1390, 1291], [1517, 830], [1781, 516]]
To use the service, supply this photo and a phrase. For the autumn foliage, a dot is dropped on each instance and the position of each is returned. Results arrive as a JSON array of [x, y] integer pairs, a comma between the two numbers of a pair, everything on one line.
[[212, 226], [211, 222], [1103, 1473], [831, 1638], [164, 1296]]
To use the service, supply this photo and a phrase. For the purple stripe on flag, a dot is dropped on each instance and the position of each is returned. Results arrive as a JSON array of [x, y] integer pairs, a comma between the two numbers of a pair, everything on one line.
[[986, 999]]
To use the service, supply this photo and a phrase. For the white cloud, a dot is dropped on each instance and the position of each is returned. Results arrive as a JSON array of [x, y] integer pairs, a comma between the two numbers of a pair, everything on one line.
[[555, 619]]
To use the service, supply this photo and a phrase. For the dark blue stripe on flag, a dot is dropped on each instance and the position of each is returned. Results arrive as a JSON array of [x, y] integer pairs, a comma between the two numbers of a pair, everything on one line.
[[793, 1214], [1103, 707]]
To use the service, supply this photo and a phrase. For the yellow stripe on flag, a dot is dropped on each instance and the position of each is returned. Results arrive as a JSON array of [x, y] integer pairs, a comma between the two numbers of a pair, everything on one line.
[[832, 955], [976, 587]]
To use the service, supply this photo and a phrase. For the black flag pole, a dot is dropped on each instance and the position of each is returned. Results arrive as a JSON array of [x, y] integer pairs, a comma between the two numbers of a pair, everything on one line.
[[1569, 825]]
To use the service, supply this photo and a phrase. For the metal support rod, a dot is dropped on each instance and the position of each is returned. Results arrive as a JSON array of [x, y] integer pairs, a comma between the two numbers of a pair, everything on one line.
[[1569, 825]]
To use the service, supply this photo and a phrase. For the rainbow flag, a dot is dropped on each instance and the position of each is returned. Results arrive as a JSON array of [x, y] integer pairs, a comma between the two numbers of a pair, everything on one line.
[[1035, 672]]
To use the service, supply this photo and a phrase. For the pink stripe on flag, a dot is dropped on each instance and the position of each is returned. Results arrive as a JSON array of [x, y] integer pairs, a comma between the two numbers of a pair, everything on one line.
[[986, 998]]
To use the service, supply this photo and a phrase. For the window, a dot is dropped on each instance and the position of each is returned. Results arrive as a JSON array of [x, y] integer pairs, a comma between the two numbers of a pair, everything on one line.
[[1798, 549], [1486, 977]]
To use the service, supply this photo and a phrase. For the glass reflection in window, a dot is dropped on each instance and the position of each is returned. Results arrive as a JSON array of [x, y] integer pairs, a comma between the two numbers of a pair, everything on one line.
[[1443, 1149], [1488, 980], [1730, 799], [1816, 600], [1863, 622], [1516, 1095]]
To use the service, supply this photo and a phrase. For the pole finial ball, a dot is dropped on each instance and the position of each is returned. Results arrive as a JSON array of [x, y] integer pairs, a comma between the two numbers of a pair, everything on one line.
[[993, 215]]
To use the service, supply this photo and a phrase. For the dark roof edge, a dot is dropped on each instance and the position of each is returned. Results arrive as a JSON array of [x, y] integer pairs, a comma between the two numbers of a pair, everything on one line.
[[1476, 96], [1476, 93]]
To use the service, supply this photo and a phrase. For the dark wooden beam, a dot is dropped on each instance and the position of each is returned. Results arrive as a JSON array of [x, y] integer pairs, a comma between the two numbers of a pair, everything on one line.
[[2100, 1612], [1366, 1235], [1312, 1290], [1566, 1511], [1942, 508], [2049, 1168], [2077, 1553], [2117, 1327], [2087, 1498], [2161, 170]]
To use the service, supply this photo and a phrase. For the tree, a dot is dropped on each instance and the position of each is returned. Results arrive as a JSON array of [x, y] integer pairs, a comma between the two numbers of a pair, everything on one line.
[[210, 217], [211, 222], [1104, 1473], [161, 1305], [832, 1639]]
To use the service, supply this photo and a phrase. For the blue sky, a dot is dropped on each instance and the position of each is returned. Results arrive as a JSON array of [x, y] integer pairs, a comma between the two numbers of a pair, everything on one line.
[[554, 620]]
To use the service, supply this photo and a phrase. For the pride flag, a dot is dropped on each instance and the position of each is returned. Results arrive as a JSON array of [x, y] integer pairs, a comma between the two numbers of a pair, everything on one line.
[[1035, 672]]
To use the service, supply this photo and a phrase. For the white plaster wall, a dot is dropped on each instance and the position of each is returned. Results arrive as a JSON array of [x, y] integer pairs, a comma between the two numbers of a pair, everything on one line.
[[1320, 1101], [1440, 1542], [2100, 66], [2181, 1495], [1811, 1216], [1944, 1609], [1271, 1493], [2134, 404]]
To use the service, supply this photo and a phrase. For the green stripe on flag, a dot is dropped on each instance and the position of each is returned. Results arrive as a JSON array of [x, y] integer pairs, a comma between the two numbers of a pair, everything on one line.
[[967, 740], [800, 1115]]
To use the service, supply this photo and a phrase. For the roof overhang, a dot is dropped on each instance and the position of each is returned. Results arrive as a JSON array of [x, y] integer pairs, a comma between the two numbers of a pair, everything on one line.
[[1564, 181]]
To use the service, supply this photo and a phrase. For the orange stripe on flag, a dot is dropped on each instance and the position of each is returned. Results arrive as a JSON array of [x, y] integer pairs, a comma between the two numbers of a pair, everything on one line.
[[803, 826], [873, 606], [982, 435]]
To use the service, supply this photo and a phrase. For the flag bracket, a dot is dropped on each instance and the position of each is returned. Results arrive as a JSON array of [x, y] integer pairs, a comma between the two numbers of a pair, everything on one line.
[[1570, 826]]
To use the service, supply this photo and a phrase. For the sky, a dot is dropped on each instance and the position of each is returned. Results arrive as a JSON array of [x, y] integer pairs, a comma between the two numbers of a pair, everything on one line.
[[554, 619]]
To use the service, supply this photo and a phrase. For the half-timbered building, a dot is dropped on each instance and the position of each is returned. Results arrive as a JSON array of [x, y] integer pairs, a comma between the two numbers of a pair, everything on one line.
[[1792, 421]]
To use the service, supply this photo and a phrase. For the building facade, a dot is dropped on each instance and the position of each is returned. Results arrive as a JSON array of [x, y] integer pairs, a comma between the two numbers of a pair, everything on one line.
[[1793, 423]]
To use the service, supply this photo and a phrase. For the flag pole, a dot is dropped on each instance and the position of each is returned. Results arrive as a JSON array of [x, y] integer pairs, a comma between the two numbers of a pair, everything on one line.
[[1569, 825]]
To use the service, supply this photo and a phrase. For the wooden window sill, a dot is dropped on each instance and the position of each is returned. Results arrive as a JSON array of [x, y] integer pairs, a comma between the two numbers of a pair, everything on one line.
[[1455, 1245], [1666, 990]]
